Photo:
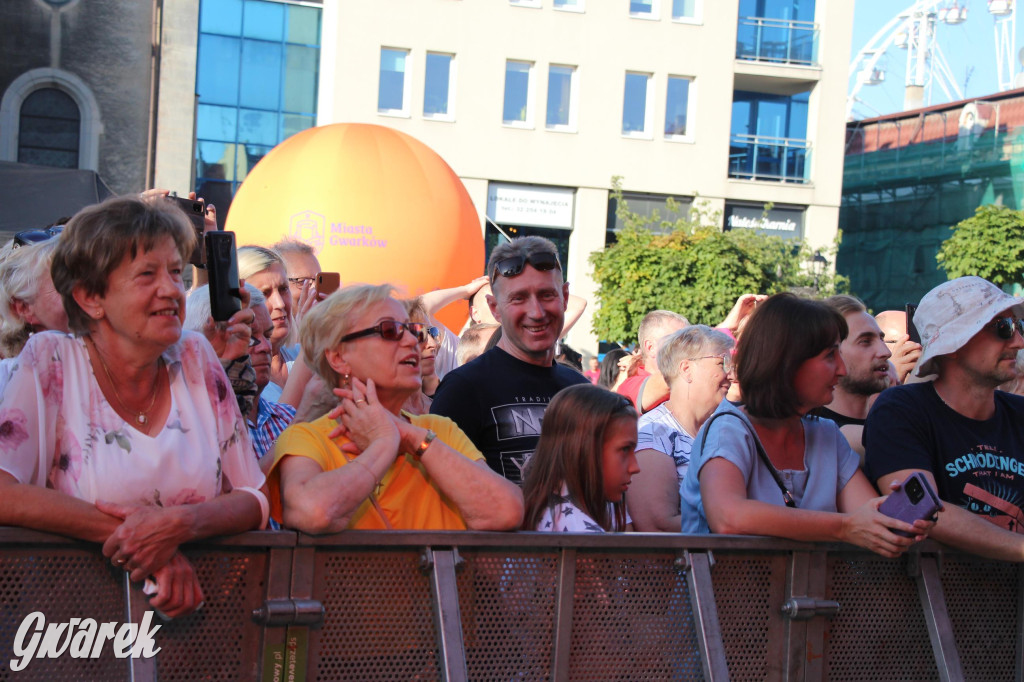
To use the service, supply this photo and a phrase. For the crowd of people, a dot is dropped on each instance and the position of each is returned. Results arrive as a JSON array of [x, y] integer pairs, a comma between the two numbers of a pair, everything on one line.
[[129, 417]]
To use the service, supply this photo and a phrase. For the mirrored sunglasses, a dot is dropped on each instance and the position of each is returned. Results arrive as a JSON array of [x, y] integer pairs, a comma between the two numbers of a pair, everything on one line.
[[1005, 327], [35, 236], [513, 265]]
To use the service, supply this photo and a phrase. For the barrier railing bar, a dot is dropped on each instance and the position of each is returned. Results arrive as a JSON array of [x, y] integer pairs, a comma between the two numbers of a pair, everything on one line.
[[136, 604], [1018, 658], [936, 617], [794, 637], [815, 655], [705, 616], [563, 614], [444, 595]]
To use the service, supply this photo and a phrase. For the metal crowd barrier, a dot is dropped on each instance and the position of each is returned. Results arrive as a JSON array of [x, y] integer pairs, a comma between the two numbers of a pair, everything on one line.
[[532, 606]]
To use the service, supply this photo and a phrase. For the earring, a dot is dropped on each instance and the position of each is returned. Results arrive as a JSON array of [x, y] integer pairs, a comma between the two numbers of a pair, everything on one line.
[[346, 381]]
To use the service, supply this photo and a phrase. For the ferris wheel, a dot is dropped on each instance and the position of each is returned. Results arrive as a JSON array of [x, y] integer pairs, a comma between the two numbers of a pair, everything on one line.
[[916, 30]]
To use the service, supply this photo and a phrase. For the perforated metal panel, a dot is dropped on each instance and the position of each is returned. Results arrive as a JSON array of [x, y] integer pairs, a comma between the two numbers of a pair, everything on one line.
[[632, 619], [880, 631], [221, 641], [983, 599], [748, 593], [508, 609], [63, 584], [379, 623]]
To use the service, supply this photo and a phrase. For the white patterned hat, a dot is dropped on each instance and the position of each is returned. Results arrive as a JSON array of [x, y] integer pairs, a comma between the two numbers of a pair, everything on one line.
[[952, 313]]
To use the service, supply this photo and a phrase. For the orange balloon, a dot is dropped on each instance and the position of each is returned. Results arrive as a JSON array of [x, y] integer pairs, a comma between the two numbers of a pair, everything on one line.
[[374, 203]]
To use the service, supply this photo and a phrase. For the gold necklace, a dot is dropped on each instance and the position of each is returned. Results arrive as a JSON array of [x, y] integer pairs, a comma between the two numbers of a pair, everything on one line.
[[140, 417]]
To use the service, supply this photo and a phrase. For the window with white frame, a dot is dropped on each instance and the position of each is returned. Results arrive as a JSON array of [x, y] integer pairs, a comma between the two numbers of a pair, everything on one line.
[[636, 105], [643, 9], [686, 10], [439, 86], [561, 113], [518, 107], [393, 90], [678, 105], [570, 5], [525, 3]]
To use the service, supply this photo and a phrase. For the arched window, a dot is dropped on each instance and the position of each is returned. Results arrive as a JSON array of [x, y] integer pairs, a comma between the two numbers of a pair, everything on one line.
[[49, 129]]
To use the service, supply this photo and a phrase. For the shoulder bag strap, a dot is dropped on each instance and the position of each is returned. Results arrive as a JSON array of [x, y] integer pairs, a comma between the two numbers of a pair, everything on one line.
[[787, 496]]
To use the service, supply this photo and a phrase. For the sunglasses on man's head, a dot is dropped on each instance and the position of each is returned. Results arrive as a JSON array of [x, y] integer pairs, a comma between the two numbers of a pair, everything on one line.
[[1005, 327], [513, 265], [390, 330], [35, 236]]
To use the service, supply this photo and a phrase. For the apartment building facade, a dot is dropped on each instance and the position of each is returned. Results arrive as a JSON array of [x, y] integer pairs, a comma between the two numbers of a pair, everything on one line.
[[538, 104]]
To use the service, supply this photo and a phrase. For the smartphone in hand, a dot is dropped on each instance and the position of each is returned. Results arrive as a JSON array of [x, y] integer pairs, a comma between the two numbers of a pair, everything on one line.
[[327, 283], [912, 332], [914, 500], [196, 212], [222, 267]]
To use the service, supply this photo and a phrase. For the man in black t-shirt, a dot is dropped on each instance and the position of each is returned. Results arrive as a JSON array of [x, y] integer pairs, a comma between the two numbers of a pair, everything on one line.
[[499, 399], [867, 370], [964, 435]]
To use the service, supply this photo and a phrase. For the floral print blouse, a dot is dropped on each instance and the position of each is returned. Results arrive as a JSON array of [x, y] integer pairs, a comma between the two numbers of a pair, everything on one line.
[[58, 430]]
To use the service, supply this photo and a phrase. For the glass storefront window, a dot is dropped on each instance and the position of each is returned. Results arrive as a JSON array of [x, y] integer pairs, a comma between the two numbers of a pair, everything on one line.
[[264, 20], [257, 75], [221, 16], [261, 75]]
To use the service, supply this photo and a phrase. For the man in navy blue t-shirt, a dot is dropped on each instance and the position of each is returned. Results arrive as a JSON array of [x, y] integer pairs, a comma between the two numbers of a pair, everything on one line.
[[963, 434]]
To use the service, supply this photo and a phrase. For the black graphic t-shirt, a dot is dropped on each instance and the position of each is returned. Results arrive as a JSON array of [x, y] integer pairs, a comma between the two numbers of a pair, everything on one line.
[[978, 465], [498, 401]]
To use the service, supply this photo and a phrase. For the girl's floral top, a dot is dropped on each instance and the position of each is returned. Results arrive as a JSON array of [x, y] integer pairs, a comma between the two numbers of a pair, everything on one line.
[[58, 430]]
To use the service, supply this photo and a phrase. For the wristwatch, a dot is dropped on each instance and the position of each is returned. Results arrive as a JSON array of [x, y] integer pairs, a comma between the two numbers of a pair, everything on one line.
[[427, 440]]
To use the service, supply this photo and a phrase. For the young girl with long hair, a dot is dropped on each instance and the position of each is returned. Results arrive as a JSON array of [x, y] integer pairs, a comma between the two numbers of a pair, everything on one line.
[[585, 458]]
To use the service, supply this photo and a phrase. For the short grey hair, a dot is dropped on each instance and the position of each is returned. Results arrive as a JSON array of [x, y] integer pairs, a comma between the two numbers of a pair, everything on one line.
[[22, 270], [654, 321], [197, 305], [693, 342]]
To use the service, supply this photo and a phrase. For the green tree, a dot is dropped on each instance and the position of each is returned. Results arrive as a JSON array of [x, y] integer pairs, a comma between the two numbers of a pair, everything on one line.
[[690, 266], [989, 244]]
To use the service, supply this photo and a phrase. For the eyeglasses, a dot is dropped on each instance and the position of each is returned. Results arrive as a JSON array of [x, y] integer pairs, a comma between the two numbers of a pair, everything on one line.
[[434, 332], [390, 330], [297, 282], [1005, 327], [35, 236], [513, 265], [726, 358]]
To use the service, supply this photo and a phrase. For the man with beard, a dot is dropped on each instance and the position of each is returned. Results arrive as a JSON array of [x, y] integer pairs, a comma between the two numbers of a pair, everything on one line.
[[963, 435], [867, 370]]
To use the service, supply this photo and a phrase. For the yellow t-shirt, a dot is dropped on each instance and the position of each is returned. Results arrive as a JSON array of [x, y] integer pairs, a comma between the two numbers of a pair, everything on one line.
[[408, 497]]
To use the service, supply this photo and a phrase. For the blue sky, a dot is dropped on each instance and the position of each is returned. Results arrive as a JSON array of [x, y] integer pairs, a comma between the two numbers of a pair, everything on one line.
[[968, 47]]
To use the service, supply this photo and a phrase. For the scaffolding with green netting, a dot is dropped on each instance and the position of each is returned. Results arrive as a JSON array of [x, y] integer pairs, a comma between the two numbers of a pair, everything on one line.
[[901, 197]]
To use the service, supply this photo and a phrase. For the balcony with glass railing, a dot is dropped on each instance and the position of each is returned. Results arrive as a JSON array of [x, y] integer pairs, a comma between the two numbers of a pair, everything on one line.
[[777, 41], [774, 159]]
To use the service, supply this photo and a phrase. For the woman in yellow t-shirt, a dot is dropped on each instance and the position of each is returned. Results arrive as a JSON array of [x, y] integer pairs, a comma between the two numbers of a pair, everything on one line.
[[366, 464]]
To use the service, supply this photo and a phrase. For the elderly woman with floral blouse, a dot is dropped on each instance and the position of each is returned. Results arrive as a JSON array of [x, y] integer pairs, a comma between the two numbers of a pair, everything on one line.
[[126, 431]]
